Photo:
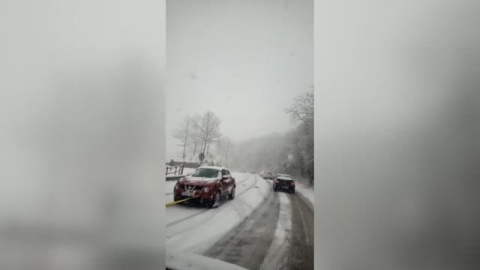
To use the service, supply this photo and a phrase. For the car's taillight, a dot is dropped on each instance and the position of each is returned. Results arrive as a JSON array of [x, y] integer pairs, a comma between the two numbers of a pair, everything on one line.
[[277, 181], [293, 184]]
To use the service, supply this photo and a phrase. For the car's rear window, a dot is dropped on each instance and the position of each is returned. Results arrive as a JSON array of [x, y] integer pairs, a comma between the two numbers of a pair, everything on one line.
[[207, 173]]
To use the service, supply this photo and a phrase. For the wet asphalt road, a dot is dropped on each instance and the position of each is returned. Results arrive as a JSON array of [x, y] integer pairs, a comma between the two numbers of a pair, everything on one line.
[[247, 244], [302, 240]]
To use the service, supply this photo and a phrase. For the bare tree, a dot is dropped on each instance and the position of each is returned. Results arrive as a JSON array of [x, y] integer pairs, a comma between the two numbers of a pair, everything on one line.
[[183, 133], [302, 110], [209, 129], [221, 146], [196, 133]]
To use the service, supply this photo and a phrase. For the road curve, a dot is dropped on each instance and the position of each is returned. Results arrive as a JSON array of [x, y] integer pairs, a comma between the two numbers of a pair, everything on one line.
[[302, 241], [248, 243]]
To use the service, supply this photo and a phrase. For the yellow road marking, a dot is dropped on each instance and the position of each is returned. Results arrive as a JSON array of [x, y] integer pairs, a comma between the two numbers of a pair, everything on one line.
[[177, 202]]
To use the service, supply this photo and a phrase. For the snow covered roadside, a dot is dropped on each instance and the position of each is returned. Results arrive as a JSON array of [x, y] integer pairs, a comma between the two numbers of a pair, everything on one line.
[[182, 261], [307, 193], [276, 253]]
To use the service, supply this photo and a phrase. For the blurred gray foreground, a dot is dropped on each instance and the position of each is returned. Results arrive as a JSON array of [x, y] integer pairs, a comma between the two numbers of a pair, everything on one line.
[[397, 135], [81, 135]]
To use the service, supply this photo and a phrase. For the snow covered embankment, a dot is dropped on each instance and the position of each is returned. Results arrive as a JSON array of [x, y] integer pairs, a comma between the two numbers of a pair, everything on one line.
[[307, 193], [182, 261]]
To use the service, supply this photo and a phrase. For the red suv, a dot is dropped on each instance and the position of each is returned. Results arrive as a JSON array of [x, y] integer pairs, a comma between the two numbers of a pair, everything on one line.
[[207, 185]]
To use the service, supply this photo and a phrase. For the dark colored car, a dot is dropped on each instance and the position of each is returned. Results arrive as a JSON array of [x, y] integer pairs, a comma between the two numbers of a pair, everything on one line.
[[284, 183], [207, 185]]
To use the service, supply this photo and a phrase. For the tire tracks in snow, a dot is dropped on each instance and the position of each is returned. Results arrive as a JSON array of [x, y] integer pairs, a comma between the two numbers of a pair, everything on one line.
[[277, 255], [246, 244], [301, 255]]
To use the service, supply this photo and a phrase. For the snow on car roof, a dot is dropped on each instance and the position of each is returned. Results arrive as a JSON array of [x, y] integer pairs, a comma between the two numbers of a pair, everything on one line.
[[212, 167], [284, 178]]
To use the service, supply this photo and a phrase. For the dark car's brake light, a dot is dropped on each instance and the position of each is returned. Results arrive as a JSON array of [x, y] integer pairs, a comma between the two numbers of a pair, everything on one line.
[[276, 181], [293, 183]]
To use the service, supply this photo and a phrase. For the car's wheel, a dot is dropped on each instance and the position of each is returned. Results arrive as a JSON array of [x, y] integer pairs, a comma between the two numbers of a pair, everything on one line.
[[231, 196], [293, 191], [216, 200]]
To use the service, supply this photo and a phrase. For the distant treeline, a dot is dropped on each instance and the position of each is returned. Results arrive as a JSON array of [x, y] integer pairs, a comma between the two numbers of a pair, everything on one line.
[[290, 153]]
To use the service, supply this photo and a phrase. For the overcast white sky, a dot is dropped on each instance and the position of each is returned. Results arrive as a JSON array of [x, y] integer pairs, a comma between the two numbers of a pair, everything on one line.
[[245, 60]]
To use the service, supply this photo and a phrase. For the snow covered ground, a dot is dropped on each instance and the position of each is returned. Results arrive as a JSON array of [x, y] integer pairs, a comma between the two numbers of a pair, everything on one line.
[[194, 229], [197, 262], [306, 191]]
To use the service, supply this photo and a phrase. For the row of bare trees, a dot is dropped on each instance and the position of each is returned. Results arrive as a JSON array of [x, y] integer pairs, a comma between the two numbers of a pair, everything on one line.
[[302, 111], [302, 115], [198, 132]]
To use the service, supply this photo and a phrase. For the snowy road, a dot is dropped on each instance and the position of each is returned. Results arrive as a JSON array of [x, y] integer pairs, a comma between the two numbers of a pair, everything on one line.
[[196, 228], [259, 227], [248, 243], [301, 257]]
